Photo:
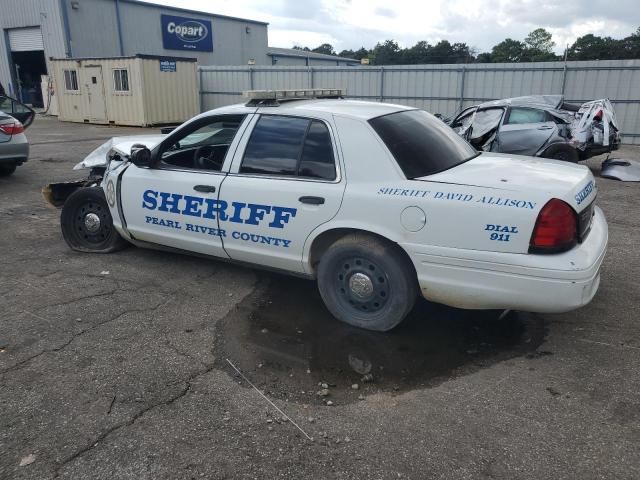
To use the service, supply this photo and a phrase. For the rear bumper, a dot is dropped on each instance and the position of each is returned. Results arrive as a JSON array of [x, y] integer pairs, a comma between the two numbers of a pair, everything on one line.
[[14, 151], [550, 283]]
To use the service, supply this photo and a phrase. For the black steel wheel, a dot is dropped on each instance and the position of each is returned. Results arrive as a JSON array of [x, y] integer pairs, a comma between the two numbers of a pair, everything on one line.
[[367, 282], [86, 222], [363, 284], [563, 152]]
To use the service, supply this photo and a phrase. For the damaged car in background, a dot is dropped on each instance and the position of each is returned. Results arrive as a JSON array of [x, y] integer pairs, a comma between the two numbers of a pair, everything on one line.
[[542, 126]]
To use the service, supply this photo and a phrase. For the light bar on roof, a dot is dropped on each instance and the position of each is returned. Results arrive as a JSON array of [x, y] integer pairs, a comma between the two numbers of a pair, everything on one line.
[[294, 94]]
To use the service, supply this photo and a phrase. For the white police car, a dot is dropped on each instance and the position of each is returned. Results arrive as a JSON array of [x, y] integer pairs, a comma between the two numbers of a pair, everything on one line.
[[377, 202]]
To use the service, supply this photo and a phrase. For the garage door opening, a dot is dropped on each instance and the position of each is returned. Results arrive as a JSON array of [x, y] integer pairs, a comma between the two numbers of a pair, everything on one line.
[[28, 61], [29, 67]]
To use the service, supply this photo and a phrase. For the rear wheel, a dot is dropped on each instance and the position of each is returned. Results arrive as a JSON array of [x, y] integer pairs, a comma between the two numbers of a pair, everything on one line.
[[367, 282], [7, 169], [86, 222], [565, 153]]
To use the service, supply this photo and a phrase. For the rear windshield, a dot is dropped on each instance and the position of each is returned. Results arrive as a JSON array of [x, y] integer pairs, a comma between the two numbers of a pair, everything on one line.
[[421, 144]]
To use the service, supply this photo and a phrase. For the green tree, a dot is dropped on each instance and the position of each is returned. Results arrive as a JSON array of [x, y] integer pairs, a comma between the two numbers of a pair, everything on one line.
[[539, 46], [357, 54], [592, 47], [387, 53], [630, 46], [484, 57], [325, 48], [417, 54], [508, 50]]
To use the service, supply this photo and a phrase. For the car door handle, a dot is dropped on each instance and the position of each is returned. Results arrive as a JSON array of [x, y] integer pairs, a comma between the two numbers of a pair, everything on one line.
[[205, 188], [545, 127], [312, 200]]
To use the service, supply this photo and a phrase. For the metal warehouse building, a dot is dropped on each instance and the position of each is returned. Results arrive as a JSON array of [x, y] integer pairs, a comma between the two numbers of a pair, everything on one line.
[[33, 31]]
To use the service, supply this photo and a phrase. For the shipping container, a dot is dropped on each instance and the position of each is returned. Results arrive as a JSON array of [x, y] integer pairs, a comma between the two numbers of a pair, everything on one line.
[[141, 90]]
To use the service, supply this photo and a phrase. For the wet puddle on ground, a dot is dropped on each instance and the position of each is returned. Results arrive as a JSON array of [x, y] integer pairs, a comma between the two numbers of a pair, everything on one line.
[[286, 342]]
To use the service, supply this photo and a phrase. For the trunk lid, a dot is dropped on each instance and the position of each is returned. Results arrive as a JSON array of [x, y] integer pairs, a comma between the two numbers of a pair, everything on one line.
[[515, 173]]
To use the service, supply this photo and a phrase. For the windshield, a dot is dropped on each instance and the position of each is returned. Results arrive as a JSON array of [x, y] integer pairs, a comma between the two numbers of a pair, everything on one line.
[[421, 144]]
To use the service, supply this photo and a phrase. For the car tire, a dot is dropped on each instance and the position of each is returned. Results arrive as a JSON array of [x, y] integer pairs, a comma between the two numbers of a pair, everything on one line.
[[7, 169], [367, 282], [86, 223], [565, 153]]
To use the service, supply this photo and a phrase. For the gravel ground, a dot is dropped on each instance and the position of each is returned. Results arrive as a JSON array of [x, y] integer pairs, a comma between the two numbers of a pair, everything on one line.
[[115, 366]]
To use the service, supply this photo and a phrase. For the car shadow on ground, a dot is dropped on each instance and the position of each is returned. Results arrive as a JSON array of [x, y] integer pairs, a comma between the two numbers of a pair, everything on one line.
[[286, 341]]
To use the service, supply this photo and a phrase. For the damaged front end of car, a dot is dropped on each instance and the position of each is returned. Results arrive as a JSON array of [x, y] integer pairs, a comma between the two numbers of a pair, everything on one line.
[[108, 156]]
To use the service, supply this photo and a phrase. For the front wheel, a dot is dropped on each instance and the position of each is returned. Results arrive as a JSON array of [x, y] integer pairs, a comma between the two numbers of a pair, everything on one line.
[[367, 283], [86, 222]]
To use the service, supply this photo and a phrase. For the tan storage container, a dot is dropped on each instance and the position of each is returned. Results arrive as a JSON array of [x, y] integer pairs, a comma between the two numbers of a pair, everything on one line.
[[142, 90]]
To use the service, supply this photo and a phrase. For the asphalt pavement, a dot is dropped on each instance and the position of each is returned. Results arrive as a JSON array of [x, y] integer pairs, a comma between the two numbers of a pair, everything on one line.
[[120, 366]]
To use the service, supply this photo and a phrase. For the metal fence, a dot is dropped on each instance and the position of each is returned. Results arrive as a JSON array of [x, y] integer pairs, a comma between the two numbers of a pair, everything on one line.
[[444, 88]]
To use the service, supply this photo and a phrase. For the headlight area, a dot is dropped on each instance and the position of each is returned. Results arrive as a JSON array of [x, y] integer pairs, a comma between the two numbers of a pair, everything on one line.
[[55, 194]]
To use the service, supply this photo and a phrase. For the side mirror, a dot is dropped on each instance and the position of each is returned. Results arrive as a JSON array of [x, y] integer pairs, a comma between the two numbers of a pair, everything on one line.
[[140, 156]]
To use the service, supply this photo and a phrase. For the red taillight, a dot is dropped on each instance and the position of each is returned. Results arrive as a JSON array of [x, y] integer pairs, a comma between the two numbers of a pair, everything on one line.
[[13, 128], [556, 228]]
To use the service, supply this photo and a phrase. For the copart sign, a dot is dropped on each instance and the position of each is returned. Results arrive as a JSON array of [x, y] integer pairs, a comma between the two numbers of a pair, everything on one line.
[[181, 33]]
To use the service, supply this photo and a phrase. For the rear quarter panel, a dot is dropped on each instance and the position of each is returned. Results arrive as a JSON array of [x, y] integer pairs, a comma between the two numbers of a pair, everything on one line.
[[379, 199]]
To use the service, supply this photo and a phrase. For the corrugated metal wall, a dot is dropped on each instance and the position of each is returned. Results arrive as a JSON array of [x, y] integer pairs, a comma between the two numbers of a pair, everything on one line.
[[169, 97], [94, 33], [444, 88], [45, 14]]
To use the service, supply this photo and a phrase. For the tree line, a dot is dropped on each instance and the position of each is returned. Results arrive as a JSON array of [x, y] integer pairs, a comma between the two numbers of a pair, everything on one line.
[[536, 47]]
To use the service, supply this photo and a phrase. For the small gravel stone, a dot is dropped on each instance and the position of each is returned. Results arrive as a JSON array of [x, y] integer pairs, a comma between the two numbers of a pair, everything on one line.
[[355, 386], [323, 393], [28, 460]]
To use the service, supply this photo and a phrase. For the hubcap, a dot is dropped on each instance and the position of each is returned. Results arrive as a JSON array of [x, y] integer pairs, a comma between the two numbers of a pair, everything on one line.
[[92, 222], [362, 284]]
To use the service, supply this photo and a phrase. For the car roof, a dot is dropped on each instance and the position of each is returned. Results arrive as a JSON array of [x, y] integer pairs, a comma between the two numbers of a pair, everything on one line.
[[345, 108], [545, 102]]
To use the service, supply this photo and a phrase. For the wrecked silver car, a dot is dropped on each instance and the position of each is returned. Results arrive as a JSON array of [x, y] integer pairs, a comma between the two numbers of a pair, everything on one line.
[[540, 125]]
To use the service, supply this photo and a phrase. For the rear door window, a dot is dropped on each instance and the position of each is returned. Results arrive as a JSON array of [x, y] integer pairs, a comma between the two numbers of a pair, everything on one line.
[[317, 155], [421, 144], [526, 115]]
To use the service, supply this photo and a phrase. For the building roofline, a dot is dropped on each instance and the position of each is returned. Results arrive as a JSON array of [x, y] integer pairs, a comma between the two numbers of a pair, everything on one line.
[[129, 57], [293, 53], [197, 12]]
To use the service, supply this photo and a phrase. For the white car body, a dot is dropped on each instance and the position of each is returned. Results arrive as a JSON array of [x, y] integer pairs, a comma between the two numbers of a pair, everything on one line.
[[444, 222]]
